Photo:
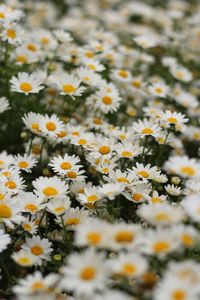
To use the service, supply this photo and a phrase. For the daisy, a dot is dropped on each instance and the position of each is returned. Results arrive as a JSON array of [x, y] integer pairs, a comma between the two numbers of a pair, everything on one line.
[[5, 160], [93, 233], [69, 85], [188, 235], [88, 76], [84, 273], [173, 190], [128, 150], [30, 226], [58, 206], [40, 248], [159, 89], [111, 190], [12, 33], [31, 203], [90, 195], [62, 36], [128, 265], [14, 183], [50, 187], [73, 217], [4, 240], [191, 206], [181, 73], [157, 199], [32, 122], [23, 258], [124, 236], [36, 285], [124, 178], [107, 102], [4, 105], [161, 214], [143, 172], [145, 128], [26, 83], [10, 211], [159, 242], [146, 41], [50, 126], [61, 165], [174, 289], [138, 193], [121, 75], [174, 118], [24, 162], [93, 64], [183, 166]]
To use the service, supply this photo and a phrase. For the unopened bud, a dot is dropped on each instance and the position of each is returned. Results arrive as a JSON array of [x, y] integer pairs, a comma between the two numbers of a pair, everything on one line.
[[175, 180]]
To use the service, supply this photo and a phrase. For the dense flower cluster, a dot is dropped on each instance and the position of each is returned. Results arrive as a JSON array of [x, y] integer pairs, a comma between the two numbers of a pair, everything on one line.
[[99, 150]]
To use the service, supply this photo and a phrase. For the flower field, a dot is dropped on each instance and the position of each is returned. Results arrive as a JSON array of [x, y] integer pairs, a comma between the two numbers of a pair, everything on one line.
[[100, 150]]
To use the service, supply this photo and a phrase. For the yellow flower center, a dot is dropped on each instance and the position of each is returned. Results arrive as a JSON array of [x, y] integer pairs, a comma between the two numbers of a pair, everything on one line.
[[37, 250], [162, 217], [107, 100], [124, 236], [32, 47], [127, 154], [50, 191], [66, 165], [172, 120], [92, 67], [137, 196], [136, 84], [72, 174], [180, 75], [21, 59], [2, 196], [158, 90], [72, 221], [35, 126], [38, 285], [11, 33], [82, 142], [11, 185], [23, 164], [26, 87], [123, 74], [36, 150], [187, 240], [189, 171], [161, 246], [94, 238], [51, 126], [32, 207], [123, 179], [97, 121], [179, 295], [156, 200], [5, 211], [27, 227], [2, 15], [89, 54], [24, 261], [44, 41], [88, 273], [92, 198], [61, 134], [104, 150], [147, 131], [129, 269], [143, 173], [59, 209], [68, 88]]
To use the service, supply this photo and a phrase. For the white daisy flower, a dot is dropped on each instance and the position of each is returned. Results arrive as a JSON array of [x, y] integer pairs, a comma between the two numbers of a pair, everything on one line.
[[26, 83]]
